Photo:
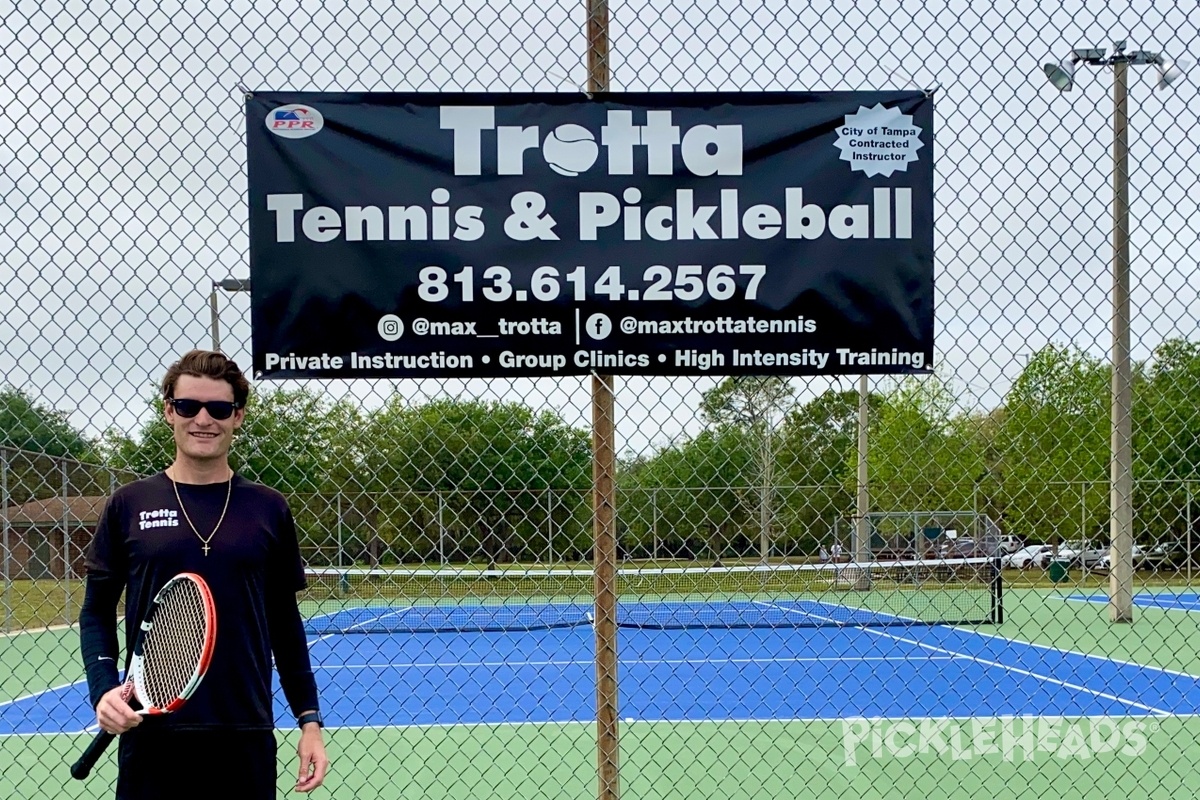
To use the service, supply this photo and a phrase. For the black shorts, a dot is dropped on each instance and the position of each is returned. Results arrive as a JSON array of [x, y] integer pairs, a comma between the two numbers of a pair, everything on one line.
[[181, 765]]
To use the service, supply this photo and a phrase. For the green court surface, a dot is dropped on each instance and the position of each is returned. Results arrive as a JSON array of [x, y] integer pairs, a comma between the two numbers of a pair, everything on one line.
[[1152, 756]]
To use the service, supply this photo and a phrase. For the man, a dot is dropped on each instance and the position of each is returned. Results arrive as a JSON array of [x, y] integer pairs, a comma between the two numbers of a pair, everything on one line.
[[199, 516]]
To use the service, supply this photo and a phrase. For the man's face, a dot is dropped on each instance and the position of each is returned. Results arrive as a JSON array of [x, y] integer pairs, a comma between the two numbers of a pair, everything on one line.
[[202, 438]]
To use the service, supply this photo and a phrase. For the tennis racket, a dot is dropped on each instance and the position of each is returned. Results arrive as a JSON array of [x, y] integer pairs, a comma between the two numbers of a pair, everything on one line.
[[170, 656]]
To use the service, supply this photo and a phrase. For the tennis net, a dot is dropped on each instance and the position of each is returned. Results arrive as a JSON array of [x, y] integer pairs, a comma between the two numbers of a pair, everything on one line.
[[928, 592]]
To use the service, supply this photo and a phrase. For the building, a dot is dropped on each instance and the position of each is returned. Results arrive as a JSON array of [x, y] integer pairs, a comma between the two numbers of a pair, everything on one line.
[[48, 538]]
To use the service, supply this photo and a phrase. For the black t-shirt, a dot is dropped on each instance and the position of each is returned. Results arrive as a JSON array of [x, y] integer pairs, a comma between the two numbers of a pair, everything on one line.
[[253, 568]]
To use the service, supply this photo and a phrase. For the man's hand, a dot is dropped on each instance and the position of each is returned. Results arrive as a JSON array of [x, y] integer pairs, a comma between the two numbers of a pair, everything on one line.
[[115, 714], [313, 761]]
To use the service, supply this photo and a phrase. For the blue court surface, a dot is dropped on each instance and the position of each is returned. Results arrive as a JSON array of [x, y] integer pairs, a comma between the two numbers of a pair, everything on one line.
[[548, 676], [1172, 601]]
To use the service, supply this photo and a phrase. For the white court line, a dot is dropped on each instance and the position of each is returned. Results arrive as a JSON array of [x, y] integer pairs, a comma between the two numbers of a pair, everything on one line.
[[45, 629], [357, 624], [674, 661], [1121, 661], [641, 721], [1029, 673], [1176, 604], [48, 628], [41, 692], [723, 720], [1007, 668]]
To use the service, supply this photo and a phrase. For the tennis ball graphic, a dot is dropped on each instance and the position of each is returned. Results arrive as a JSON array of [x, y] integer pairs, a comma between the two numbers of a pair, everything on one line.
[[570, 150]]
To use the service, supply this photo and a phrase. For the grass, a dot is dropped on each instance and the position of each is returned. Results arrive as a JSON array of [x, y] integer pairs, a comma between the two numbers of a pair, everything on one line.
[[29, 604]]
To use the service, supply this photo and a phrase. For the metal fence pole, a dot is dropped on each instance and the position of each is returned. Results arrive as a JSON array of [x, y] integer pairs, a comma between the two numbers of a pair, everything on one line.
[[66, 547], [441, 529], [549, 525], [1188, 515], [1083, 529], [6, 499], [654, 525], [214, 320], [340, 559], [861, 551]]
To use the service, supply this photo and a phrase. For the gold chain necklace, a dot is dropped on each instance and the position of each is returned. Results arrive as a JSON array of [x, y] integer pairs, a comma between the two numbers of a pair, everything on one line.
[[178, 499]]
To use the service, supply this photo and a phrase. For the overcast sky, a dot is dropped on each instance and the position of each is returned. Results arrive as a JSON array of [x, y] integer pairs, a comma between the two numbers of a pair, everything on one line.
[[124, 195]]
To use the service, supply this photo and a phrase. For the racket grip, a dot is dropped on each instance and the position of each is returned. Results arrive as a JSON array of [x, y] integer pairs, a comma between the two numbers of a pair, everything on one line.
[[83, 767]]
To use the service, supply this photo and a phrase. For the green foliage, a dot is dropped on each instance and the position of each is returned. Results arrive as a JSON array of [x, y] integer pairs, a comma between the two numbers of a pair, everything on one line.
[[295, 441], [816, 439], [922, 455], [1056, 430], [748, 401], [25, 425], [1166, 441], [462, 478], [690, 497], [500, 471]]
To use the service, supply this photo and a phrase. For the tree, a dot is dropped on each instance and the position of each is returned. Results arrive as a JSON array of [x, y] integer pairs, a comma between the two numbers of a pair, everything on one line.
[[756, 404], [815, 440], [923, 456], [44, 456], [1055, 440], [694, 489], [25, 425], [505, 478], [291, 440], [1166, 425]]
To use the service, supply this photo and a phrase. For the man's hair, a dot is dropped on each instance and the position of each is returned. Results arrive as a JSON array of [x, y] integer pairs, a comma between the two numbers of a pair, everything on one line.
[[207, 364]]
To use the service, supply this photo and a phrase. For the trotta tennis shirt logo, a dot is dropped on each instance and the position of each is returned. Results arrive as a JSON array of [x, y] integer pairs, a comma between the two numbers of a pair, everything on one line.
[[159, 518]]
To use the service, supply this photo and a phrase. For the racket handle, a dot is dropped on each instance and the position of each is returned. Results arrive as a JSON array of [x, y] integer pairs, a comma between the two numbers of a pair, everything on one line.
[[83, 767]]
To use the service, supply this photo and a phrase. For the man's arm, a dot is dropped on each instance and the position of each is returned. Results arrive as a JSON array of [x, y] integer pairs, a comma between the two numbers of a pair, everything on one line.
[[98, 635], [105, 565], [299, 685], [286, 629], [291, 652]]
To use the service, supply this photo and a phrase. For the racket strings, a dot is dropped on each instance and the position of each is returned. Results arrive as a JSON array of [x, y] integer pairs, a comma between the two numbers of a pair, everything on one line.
[[174, 643]]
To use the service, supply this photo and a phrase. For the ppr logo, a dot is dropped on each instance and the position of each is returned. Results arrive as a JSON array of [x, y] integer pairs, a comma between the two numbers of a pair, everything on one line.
[[294, 121]]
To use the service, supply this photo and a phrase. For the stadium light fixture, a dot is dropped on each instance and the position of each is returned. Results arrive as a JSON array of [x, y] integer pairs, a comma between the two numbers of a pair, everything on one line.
[[229, 285], [1061, 76], [234, 284]]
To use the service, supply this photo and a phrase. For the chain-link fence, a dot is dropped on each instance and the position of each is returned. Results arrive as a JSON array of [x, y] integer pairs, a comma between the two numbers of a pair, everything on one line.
[[775, 641]]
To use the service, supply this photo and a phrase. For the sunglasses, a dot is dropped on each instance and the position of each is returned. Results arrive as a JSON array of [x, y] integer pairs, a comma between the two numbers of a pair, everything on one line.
[[217, 409]]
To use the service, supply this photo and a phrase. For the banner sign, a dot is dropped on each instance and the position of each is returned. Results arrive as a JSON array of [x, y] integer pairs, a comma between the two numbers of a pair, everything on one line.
[[519, 235]]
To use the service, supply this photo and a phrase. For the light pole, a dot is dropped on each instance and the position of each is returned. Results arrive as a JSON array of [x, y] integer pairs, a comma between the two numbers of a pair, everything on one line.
[[1062, 77], [229, 285]]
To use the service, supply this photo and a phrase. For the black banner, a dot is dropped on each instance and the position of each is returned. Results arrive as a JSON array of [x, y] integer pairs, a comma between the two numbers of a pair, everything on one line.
[[488, 235]]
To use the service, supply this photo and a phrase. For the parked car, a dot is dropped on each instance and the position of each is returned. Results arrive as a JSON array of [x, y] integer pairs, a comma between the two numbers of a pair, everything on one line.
[[1073, 553], [1010, 544], [1023, 558], [1167, 556], [961, 547]]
